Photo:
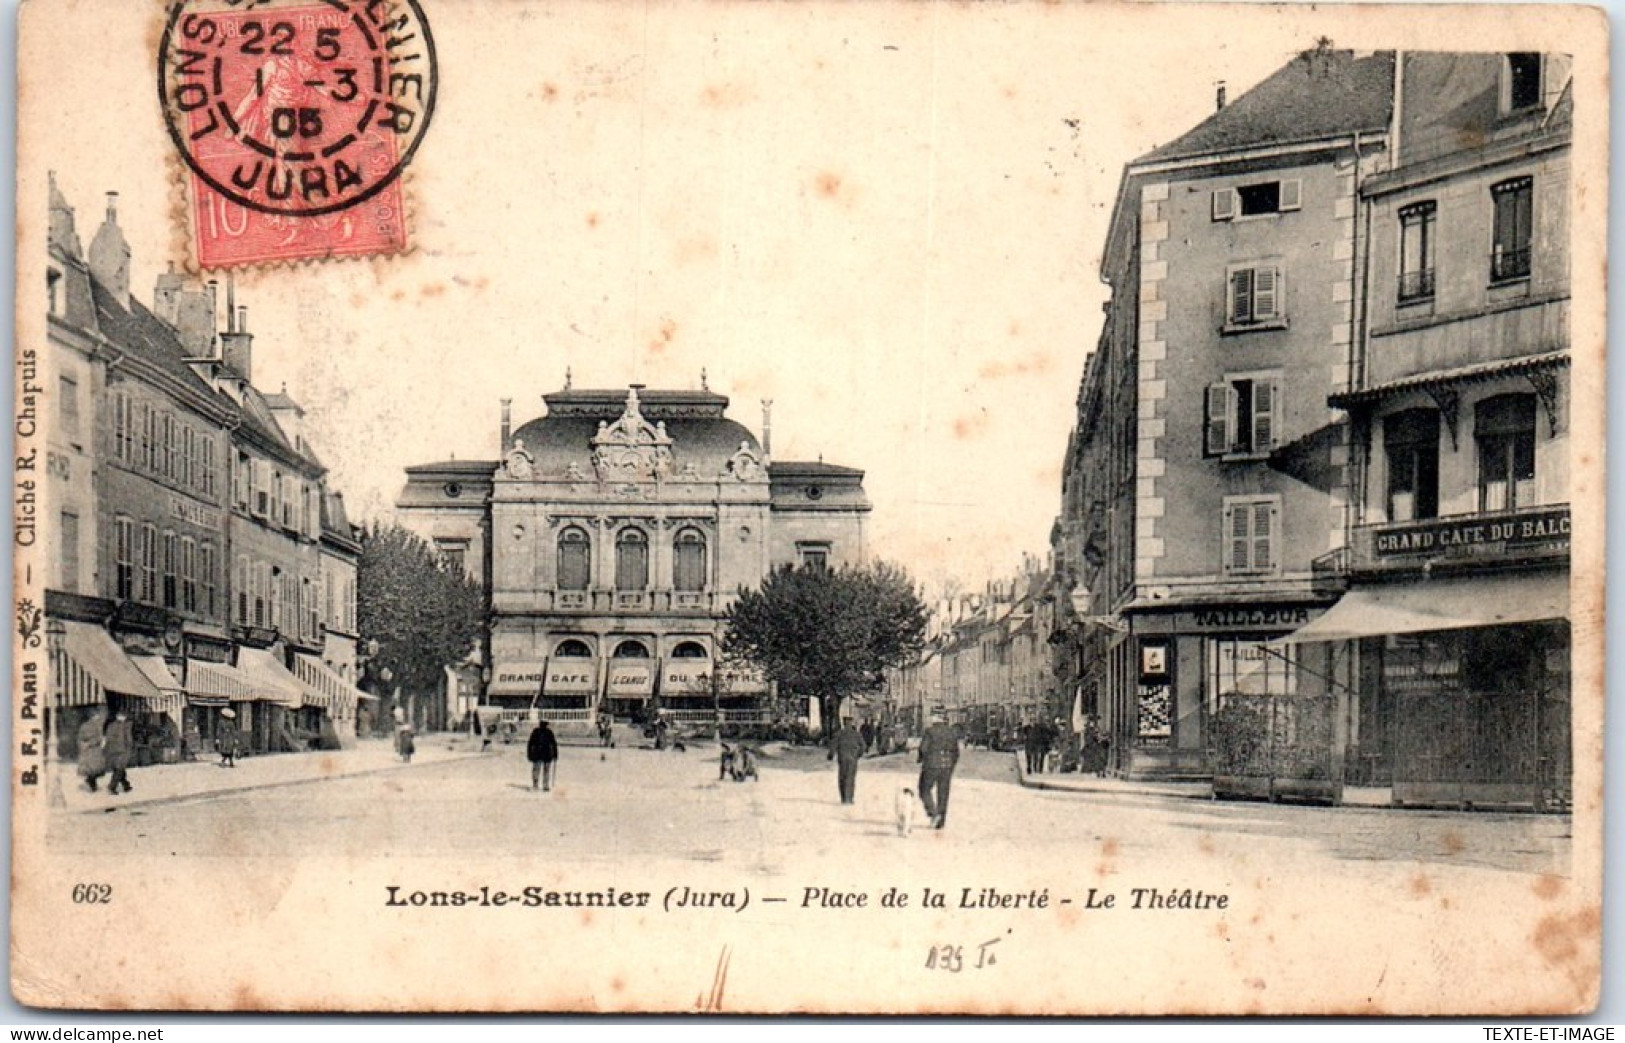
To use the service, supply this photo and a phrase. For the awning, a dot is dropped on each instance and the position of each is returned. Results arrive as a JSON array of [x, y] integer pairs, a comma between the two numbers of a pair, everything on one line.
[[1453, 603], [685, 677], [523, 677], [89, 664], [324, 687], [570, 675], [217, 684], [274, 682], [631, 678], [171, 696], [743, 680]]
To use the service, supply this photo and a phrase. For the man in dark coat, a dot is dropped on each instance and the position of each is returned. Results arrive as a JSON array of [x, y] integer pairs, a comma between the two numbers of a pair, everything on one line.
[[846, 747], [543, 751], [1037, 745], [939, 755], [118, 743]]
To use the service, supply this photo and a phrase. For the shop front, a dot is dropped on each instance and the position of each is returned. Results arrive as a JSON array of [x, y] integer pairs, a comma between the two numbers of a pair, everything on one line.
[[1213, 699], [629, 685], [92, 675], [1465, 684]]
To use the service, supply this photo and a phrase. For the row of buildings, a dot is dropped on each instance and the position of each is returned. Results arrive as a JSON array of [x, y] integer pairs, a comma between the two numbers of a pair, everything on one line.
[[611, 535], [1315, 524], [197, 560]]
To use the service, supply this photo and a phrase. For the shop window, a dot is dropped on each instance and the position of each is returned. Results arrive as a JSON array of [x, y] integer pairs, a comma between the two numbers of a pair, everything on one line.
[[1242, 415], [1416, 246], [1504, 428], [1243, 667], [632, 560], [1411, 442], [1250, 526], [688, 562], [1514, 227], [1254, 296], [575, 559]]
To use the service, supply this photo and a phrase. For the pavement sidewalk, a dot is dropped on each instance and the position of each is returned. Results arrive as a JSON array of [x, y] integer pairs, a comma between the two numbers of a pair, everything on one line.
[[167, 783], [1076, 782]]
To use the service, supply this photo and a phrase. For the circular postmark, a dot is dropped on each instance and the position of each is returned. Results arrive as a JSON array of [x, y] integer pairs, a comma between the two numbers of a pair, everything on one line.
[[297, 107]]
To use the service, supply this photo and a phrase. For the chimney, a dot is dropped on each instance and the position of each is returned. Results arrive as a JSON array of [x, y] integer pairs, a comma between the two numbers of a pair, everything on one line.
[[231, 303], [1219, 94], [507, 423], [110, 255], [767, 427], [237, 344], [62, 233]]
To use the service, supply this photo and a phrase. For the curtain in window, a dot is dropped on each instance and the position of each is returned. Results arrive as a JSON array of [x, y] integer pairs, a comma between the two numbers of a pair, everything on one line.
[[688, 564], [632, 561]]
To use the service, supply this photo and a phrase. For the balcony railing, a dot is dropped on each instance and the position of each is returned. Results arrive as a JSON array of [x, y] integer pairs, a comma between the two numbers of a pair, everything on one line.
[[1509, 264], [1415, 286]]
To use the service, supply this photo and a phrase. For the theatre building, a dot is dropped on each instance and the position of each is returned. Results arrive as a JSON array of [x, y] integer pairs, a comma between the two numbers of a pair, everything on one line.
[[611, 538], [1455, 621]]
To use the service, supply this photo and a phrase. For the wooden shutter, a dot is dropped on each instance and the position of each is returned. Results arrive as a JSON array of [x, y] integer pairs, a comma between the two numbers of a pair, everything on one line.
[[1241, 295], [1266, 394], [1266, 293], [1263, 540], [1238, 537], [1224, 204], [1291, 194], [1221, 419]]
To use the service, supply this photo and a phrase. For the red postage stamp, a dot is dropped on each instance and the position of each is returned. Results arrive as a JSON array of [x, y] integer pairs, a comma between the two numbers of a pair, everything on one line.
[[296, 121]]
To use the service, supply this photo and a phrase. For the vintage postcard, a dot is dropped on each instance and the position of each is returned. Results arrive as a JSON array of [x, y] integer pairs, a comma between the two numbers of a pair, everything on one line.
[[908, 508]]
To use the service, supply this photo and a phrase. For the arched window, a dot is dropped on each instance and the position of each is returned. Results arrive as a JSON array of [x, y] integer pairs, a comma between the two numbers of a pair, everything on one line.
[[631, 650], [689, 650], [571, 648], [688, 562], [632, 560], [575, 559]]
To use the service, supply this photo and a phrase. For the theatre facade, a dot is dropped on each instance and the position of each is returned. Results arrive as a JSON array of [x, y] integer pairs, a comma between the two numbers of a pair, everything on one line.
[[610, 539]]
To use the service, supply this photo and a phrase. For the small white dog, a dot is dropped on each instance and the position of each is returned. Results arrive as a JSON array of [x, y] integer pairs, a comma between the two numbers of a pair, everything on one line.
[[905, 811]]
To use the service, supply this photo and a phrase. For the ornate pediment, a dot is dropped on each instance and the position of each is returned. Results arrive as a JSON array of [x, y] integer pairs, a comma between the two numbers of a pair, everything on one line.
[[631, 449]]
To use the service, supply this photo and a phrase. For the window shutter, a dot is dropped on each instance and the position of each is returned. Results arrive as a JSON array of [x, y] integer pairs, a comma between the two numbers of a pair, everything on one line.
[[1221, 412], [1263, 535], [1224, 204], [1291, 194], [1266, 293], [1265, 395], [1241, 295], [1238, 542]]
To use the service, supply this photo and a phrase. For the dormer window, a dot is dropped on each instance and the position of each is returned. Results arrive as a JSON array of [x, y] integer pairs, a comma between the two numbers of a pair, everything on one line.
[[1520, 82]]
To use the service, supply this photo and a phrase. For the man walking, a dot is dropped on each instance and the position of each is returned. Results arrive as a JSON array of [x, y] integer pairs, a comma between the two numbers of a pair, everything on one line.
[[846, 748], [939, 755], [543, 751], [117, 746]]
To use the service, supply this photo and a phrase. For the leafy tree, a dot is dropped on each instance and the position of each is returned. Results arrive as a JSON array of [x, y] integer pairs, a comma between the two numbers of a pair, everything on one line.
[[424, 614], [828, 634]]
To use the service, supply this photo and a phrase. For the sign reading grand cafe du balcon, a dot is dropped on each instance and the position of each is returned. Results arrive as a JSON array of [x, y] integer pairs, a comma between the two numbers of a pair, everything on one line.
[[1476, 535]]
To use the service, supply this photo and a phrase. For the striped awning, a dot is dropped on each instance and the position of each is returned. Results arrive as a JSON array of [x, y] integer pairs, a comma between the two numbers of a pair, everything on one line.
[[217, 684], [89, 664], [324, 687], [171, 696], [273, 682]]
